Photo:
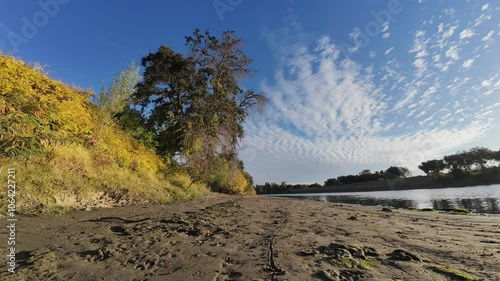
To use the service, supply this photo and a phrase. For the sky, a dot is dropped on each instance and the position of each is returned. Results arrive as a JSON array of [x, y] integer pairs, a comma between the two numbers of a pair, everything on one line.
[[351, 85]]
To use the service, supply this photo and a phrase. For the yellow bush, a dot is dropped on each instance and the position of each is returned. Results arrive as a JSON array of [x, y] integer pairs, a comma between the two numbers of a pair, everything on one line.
[[181, 180], [237, 183], [228, 178]]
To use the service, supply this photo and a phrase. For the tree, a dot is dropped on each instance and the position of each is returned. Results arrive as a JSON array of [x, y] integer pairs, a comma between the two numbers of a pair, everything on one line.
[[426, 167], [197, 105], [115, 103], [397, 172], [496, 155], [480, 156], [119, 93], [332, 181], [168, 89], [365, 172], [457, 163], [432, 166]]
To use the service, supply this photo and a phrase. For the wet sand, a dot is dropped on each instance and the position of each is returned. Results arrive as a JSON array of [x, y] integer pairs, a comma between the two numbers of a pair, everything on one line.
[[238, 238]]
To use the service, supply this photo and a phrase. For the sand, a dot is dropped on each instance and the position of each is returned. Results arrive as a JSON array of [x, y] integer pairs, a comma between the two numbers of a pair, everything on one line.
[[263, 238]]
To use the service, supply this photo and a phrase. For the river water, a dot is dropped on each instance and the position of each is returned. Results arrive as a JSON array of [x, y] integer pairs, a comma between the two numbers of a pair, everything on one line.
[[479, 199]]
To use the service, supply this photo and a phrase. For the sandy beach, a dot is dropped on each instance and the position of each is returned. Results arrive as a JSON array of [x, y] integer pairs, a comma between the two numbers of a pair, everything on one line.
[[240, 238]]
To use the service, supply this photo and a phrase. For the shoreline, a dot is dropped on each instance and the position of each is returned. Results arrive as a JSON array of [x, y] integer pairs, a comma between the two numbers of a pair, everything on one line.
[[262, 238], [420, 182]]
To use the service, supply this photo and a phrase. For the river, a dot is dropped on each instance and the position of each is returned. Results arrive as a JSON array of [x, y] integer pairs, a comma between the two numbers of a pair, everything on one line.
[[478, 199]]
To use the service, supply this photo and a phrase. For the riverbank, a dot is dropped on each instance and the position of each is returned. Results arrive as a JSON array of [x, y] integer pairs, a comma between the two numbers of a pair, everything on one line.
[[263, 238], [419, 182]]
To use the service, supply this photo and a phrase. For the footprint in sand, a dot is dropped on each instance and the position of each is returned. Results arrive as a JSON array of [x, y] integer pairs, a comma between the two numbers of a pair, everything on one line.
[[119, 230]]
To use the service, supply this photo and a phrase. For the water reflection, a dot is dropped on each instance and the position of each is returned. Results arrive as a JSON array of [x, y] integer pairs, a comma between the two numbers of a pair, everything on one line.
[[483, 199], [479, 205]]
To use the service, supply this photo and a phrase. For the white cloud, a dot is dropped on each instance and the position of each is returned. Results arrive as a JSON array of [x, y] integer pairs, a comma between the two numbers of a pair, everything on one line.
[[488, 39], [420, 33], [410, 96], [421, 66], [450, 12], [466, 33], [385, 27], [386, 35], [421, 53], [372, 54], [483, 17], [450, 32], [420, 49], [485, 7], [452, 53], [354, 36], [440, 27], [431, 90], [388, 51], [468, 63]]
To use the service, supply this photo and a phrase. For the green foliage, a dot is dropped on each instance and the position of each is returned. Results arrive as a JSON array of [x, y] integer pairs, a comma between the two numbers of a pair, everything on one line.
[[496, 155], [118, 95], [132, 121], [463, 162], [167, 90], [432, 166], [397, 172], [480, 156], [458, 163], [330, 182], [366, 175], [115, 102]]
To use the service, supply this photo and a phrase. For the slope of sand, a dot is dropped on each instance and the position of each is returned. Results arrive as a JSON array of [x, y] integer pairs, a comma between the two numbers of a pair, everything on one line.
[[236, 238]]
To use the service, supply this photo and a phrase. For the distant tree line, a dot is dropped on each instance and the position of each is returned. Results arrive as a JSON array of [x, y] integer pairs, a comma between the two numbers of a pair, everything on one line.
[[367, 175], [363, 176], [462, 163], [283, 187], [477, 161]]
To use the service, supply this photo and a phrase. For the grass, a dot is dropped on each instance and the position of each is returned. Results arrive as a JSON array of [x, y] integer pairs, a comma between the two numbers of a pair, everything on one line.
[[51, 185], [454, 273]]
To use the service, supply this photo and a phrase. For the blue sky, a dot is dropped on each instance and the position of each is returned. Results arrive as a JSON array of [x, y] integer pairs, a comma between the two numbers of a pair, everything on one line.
[[352, 85]]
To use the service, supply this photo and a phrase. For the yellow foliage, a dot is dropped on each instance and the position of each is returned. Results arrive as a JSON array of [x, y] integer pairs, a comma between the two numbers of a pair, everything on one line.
[[71, 159], [36, 110], [80, 160], [228, 178], [237, 183], [181, 180]]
